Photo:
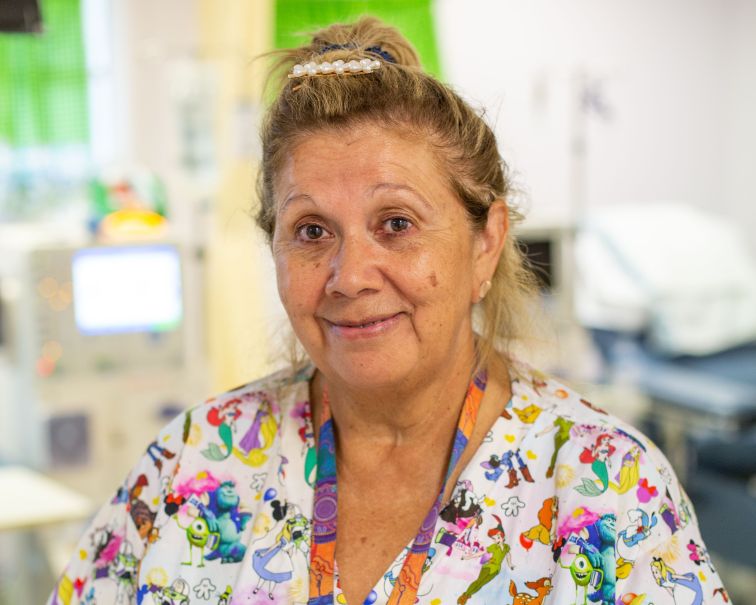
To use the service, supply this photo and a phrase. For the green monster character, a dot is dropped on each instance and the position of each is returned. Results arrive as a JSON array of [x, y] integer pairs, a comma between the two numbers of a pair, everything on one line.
[[199, 536], [584, 575]]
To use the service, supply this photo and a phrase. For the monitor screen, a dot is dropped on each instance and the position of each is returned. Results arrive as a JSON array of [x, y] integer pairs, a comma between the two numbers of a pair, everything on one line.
[[127, 289]]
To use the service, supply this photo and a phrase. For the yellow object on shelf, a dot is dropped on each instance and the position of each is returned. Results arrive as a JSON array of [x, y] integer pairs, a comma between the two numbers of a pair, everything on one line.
[[132, 224]]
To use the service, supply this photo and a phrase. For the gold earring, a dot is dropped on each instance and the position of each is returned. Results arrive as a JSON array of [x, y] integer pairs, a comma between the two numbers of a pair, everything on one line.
[[485, 287]]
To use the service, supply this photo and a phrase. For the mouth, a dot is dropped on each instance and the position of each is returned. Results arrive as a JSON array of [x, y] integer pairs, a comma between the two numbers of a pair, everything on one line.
[[363, 327]]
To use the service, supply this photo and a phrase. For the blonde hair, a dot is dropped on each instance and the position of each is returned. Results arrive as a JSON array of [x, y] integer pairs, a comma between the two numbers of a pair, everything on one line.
[[665, 571], [400, 96]]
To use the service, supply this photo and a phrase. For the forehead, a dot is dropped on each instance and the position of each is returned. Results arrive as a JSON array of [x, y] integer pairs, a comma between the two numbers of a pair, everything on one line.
[[356, 159]]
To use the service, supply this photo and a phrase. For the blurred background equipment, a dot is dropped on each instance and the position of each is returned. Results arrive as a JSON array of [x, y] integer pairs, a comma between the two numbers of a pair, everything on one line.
[[668, 294], [95, 356]]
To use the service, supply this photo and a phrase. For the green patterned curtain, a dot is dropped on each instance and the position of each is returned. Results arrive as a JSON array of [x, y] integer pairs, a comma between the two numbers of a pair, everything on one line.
[[43, 81], [414, 18]]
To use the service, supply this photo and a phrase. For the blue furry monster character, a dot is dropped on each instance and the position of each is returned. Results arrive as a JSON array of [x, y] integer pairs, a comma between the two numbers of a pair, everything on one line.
[[223, 516], [597, 542], [600, 551]]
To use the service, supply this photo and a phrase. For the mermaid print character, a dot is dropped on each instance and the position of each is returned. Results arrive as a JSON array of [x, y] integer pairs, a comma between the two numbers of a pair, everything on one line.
[[597, 456]]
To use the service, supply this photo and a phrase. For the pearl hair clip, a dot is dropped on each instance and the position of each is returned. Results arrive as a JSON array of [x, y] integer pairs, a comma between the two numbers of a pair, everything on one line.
[[337, 68]]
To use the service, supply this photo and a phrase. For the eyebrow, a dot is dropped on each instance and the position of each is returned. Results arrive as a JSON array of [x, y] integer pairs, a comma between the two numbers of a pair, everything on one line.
[[372, 191], [398, 187], [293, 198]]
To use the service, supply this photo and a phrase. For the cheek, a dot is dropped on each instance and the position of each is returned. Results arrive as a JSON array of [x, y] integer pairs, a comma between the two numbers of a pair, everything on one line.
[[440, 273], [298, 284], [438, 287]]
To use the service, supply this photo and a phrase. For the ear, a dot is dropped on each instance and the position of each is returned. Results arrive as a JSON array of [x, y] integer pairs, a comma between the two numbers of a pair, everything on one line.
[[489, 244]]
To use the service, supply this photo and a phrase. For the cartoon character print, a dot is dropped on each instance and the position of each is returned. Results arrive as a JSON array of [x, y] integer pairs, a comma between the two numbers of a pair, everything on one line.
[[225, 596], [528, 414], [141, 514], [699, 555], [212, 519], [257, 438], [589, 537], [177, 593], [544, 532], [497, 464], [274, 564], [561, 427], [224, 517], [303, 415], [200, 537], [158, 453], [630, 539], [684, 588], [629, 474], [542, 586], [123, 570], [114, 559], [598, 457], [491, 561], [461, 519], [139, 511], [470, 560], [587, 578]]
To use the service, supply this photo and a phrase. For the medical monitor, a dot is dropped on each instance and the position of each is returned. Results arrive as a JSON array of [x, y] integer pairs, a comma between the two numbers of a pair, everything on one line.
[[127, 289]]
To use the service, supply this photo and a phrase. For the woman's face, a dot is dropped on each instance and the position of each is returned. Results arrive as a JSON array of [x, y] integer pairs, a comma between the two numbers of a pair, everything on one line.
[[377, 264]]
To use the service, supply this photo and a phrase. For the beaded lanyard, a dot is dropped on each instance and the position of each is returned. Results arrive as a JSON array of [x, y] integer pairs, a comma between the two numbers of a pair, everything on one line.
[[323, 544]]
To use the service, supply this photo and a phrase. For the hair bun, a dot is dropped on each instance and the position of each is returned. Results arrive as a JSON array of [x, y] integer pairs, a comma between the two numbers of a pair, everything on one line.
[[366, 35]]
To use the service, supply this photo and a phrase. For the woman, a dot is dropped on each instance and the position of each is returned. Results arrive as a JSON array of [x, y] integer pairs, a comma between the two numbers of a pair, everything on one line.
[[684, 588], [384, 199]]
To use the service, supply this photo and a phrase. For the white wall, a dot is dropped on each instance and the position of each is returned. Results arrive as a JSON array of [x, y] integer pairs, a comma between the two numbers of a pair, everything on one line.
[[678, 76], [739, 90], [156, 51]]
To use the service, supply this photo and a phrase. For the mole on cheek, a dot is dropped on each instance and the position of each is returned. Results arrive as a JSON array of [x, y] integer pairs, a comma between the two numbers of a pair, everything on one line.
[[433, 280]]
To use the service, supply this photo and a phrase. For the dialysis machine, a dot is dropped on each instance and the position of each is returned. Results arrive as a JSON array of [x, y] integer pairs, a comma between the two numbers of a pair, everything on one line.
[[100, 346]]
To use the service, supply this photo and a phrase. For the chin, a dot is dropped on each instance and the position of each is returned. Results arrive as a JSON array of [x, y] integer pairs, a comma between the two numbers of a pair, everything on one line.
[[372, 370]]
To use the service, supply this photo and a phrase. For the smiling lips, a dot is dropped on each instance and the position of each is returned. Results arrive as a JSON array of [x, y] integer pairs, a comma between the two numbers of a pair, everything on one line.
[[364, 328]]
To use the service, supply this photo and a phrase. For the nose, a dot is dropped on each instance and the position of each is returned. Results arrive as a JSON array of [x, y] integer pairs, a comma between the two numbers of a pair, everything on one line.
[[354, 268]]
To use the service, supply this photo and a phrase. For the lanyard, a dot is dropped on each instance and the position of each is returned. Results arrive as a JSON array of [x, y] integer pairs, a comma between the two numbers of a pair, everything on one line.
[[323, 545]]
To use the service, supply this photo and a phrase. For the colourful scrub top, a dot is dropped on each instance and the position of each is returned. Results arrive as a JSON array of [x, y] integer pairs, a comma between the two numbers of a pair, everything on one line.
[[561, 504]]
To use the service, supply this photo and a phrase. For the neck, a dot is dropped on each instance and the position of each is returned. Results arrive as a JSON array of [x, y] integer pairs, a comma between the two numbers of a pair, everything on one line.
[[389, 421]]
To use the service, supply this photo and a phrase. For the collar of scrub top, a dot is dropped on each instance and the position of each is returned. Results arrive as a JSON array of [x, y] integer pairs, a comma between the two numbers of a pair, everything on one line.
[[323, 543]]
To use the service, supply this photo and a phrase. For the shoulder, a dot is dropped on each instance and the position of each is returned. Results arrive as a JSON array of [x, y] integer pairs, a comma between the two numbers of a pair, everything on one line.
[[601, 465], [273, 390], [553, 404]]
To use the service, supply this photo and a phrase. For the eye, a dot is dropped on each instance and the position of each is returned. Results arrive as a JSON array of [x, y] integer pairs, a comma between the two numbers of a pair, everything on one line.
[[311, 232], [581, 564], [397, 224]]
